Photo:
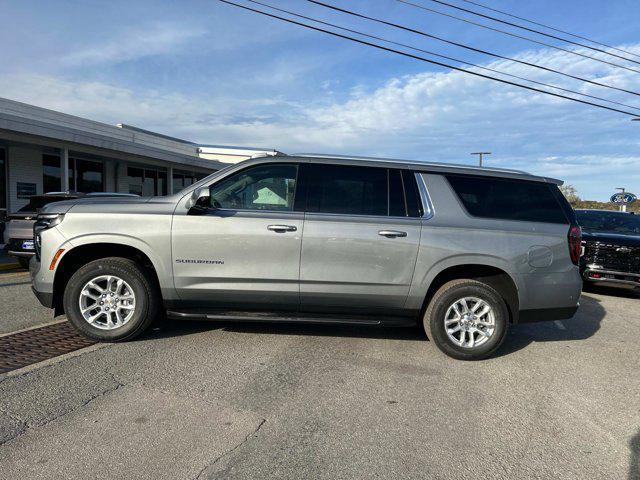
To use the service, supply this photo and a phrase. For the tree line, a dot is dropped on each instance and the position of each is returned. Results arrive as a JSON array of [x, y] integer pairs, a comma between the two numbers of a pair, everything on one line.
[[571, 194]]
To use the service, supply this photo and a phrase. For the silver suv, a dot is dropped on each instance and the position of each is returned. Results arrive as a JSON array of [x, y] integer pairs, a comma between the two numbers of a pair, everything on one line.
[[463, 251]]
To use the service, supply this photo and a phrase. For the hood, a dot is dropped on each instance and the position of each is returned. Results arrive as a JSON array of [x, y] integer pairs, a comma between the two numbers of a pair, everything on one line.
[[627, 240], [100, 204]]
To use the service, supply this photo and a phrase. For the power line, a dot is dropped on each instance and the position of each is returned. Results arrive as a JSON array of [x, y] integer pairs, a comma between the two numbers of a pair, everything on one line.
[[416, 57], [515, 35], [404, 45], [551, 28], [495, 19], [467, 47]]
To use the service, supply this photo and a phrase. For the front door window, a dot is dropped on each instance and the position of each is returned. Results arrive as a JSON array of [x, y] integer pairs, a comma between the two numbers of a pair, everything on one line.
[[266, 187]]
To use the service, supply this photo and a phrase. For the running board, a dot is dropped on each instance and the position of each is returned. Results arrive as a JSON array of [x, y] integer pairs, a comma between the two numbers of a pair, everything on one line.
[[287, 317]]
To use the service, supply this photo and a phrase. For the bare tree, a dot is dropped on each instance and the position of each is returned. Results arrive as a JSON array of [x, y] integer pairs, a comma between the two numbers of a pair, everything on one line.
[[570, 193]]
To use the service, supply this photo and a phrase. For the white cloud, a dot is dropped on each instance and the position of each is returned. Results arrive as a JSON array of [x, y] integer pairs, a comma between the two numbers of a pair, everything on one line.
[[431, 116], [143, 41]]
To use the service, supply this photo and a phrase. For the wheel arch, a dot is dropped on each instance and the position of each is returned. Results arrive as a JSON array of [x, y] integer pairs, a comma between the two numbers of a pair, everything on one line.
[[495, 276], [80, 255]]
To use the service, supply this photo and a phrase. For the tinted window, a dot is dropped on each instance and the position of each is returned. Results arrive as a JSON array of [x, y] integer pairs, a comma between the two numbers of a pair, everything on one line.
[[414, 205], [612, 222], [397, 202], [89, 177], [266, 187], [50, 173], [508, 199], [347, 190]]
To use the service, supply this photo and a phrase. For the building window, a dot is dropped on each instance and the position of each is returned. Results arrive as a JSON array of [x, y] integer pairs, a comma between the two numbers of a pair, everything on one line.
[[3, 178], [89, 176], [50, 173], [183, 179], [147, 181]]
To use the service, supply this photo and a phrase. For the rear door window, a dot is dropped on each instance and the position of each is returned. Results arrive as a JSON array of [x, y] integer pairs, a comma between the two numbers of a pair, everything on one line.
[[508, 199], [347, 190]]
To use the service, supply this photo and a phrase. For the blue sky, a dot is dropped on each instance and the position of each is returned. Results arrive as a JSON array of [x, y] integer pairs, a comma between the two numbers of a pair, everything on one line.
[[208, 72]]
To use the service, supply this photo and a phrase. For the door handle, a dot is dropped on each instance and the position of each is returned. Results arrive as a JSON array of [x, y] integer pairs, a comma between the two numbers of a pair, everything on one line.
[[392, 233], [282, 228]]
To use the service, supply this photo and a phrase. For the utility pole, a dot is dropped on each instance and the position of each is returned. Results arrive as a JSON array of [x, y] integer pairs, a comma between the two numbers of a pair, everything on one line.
[[480, 155], [623, 207]]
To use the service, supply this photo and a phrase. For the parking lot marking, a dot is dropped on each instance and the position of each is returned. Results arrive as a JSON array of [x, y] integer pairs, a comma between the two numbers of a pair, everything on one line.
[[9, 266], [11, 274], [560, 325]]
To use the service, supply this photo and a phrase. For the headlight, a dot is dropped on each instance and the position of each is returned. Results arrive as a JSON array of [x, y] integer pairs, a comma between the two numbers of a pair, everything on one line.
[[44, 222]]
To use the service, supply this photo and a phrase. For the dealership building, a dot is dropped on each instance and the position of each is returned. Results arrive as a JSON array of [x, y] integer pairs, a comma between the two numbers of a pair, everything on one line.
[[43, 151]]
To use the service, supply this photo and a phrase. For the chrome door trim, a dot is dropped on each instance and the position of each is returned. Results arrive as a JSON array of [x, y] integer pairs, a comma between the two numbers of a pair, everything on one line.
[[427, 205]]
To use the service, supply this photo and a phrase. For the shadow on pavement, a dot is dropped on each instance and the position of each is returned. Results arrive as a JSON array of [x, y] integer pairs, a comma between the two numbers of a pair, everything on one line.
[[169, 328], [584, 324], [634, 462], [612, 292]]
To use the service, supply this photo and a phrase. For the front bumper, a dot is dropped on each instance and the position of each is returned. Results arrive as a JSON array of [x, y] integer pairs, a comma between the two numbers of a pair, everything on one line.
[[14, 248], [45, 298], [611, 278]]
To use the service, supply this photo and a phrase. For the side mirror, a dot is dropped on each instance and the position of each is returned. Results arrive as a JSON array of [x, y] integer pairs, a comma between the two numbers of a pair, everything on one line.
[[198, 193], [203, 202], [200, 201]]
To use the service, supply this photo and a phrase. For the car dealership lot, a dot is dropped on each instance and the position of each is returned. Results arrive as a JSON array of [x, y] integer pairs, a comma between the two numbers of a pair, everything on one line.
[[562, 400]]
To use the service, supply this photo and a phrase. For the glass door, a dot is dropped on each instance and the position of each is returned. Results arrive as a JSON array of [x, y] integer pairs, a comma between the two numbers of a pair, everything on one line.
[[3, 182]]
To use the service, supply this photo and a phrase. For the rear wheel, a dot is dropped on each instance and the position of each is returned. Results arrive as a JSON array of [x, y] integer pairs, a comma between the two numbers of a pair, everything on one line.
[[111, 299], [24, 262], [467, 319]]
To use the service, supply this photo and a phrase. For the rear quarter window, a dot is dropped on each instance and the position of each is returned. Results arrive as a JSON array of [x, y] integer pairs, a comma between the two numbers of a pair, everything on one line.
[[508, 199]]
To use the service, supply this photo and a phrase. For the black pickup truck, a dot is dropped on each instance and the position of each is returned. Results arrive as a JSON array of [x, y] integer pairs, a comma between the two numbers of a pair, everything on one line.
[[611, 242]]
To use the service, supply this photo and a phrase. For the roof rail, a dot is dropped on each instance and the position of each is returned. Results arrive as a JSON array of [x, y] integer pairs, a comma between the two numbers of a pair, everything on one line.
[[416, 162]]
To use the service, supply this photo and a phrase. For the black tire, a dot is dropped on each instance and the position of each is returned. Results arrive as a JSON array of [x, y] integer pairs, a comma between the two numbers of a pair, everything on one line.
[[24, 262], [445, 297], [147, 298]]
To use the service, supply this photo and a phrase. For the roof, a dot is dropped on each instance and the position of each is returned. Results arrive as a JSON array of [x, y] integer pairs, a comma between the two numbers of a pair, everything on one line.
[[234, 150], [18, 117], [435, 167]]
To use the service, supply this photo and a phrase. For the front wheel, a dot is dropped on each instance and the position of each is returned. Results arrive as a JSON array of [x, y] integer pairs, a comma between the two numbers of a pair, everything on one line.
[[111, 299], [467, 319]]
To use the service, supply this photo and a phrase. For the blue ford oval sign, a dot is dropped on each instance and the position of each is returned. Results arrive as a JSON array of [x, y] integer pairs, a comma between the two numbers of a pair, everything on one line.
[[623, 198]]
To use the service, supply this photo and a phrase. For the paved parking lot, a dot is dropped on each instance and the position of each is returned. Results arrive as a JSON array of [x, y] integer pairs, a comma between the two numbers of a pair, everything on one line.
[[201, 400]]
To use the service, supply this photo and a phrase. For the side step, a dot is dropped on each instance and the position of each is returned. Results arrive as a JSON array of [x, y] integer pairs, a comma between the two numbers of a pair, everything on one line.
[[286, 317]]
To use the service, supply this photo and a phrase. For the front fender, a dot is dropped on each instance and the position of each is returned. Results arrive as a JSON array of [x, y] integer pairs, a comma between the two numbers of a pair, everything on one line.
[[161, 265]]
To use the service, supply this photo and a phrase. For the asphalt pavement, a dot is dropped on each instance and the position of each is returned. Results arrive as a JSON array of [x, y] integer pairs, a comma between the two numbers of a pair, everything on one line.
[[561, 400]]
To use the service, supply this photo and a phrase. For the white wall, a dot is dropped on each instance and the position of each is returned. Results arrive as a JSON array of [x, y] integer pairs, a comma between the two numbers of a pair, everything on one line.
[[25, 165]]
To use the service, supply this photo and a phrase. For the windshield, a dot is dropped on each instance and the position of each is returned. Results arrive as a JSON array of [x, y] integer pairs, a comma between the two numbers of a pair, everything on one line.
[[612, 222]]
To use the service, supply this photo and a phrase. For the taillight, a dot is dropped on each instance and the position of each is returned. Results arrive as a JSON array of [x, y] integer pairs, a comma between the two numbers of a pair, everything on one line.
[[575, 244]]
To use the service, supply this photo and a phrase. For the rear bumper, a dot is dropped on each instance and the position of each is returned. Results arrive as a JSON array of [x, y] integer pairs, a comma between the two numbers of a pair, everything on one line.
[[546, 314], [14, 248], [611, 278], [23, 253]]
